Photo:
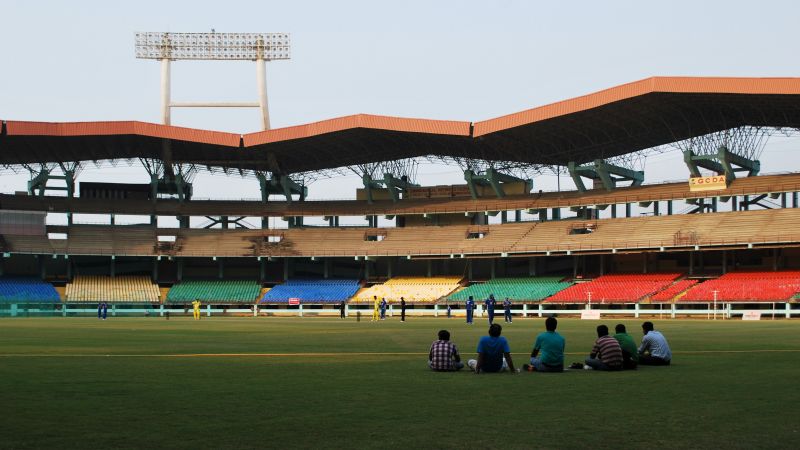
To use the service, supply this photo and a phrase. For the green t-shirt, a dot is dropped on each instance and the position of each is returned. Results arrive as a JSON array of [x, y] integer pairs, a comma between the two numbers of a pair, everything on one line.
[[626, 342], [551, 345]]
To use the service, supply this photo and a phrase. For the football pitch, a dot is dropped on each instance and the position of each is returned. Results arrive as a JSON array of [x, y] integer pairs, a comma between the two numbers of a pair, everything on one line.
[[330, 383]]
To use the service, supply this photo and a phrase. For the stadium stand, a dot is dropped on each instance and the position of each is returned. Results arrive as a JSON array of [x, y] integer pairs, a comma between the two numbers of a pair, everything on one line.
[[518, 289], [220, 291], [26, 290], [412, 289], [623, 288], [746, 287], [122, 289], [312, 291], [670, 293]]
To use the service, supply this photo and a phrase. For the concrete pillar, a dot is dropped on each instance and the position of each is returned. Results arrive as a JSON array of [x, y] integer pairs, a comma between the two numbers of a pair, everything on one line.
[[783, 199], [644, 262], [734, 203], [532, 266], [390, 267], [655, 209], [627, 209], [326, 268], [614, 211], [556, 212], [745, 203], [602, 265], [285, 269], [724, 262], [220, 268], [366, 269], [794, 199], [155, 270], [574, 266], [42, 266], [518, 216], [669, 207], [112, 269], [492, 268], [691, 263], [430, 268], [714, 204], [262, 270], [469, 270], [503, 216], [179, 269]]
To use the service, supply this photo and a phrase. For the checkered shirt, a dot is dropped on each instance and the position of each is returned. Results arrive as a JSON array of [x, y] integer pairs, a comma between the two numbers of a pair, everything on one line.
[[442, 355]]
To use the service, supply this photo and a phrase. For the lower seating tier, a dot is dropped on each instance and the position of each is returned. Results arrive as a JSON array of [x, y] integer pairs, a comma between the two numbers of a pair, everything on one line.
[[747, 287], [623, 288], [312, 291], [411, 289], [122, 289], [516, 289], [26, 290], [221, 291]]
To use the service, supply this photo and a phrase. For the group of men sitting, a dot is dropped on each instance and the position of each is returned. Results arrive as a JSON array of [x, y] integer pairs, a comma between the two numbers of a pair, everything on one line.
[[617, 352]]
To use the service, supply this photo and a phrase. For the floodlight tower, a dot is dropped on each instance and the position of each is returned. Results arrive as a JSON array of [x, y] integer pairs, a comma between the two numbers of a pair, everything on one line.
[[258, 47]]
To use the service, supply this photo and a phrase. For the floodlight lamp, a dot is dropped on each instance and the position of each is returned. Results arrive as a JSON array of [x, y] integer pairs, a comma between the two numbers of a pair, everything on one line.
[[212, 46]]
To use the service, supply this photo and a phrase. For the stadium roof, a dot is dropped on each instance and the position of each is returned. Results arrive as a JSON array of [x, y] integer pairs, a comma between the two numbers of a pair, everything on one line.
[[623, 119]]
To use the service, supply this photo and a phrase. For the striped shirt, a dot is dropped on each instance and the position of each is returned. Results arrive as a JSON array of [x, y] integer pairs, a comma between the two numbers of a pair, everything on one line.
[[607, 349], [442, 355]]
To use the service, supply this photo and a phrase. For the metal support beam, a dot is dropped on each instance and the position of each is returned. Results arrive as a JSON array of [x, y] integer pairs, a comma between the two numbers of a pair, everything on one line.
[[494, 179], [608, 174], [724, 162]]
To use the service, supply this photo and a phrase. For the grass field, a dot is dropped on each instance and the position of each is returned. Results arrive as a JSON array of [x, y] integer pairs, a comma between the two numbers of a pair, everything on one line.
[[314, 382]]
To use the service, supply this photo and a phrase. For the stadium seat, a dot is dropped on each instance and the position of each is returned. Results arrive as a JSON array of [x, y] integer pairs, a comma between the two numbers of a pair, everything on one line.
[[517, 289], [26, 290], [312, 291], [746, 287], [671, 292], [412, 289], [219, 291], [623, 288], [120, 289]]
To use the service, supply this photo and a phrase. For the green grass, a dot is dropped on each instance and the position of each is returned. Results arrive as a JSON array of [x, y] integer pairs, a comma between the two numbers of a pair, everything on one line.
[[58, 389]]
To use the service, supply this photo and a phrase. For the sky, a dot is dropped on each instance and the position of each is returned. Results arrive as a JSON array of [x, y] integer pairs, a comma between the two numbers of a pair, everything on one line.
[[465, 60]]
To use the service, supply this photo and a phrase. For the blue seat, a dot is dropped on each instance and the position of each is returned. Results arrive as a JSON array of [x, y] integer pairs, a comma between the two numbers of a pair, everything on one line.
[[312, 291], [27, 290]]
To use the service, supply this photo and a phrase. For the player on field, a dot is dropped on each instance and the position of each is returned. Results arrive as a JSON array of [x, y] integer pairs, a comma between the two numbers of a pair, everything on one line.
[[375, 307], [470, 306], [196, 305], [383, 308], [490, 304], [507, 310]]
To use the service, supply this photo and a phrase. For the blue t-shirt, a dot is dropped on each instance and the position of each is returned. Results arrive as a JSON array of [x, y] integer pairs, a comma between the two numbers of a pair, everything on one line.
[[551, 345], [493, 349], [490, 302]]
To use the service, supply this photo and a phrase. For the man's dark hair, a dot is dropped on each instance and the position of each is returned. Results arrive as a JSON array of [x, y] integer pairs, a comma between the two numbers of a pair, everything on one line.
[[620, 328], [444, 335], [470, 297], [602, 330], [495, 330], [550, 324], [647, 326]]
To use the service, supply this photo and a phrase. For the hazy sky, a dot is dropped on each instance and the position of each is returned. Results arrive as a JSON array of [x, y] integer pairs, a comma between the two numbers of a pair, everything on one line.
[[466, 60]]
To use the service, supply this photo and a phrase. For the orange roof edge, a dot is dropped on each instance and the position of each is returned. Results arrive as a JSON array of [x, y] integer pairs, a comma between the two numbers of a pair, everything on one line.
[[114, 128], [679, 85], [369, 121]]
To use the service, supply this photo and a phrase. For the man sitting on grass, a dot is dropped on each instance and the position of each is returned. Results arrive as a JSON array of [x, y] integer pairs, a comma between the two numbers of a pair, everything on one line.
[[494, 354], [551, 345], [630, 354], [606, 353], [654, 350], [444, 356]]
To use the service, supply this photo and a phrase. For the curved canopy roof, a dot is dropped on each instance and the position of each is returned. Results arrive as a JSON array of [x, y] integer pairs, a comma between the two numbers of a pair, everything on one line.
[[615, 121]]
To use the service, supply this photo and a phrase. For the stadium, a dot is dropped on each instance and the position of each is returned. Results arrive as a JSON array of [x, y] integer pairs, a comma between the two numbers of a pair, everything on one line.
[[614, 243], [301, 313]]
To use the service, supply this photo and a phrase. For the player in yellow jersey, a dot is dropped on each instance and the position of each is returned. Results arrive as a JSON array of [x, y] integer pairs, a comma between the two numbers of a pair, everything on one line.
[[196, 304], [375, 312]]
